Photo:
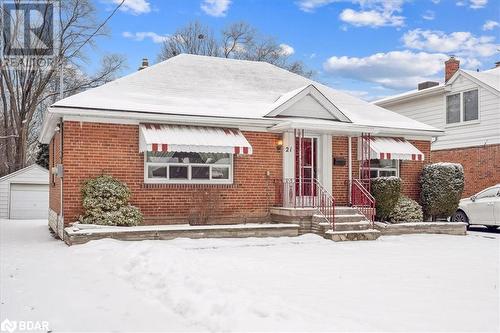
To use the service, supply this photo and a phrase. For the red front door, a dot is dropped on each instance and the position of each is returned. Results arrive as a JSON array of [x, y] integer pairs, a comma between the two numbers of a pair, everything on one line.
[[305, 165]]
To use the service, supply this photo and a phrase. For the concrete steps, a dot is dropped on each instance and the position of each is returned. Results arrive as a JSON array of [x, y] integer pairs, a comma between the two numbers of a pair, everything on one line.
[[350, 225], [353, 235]]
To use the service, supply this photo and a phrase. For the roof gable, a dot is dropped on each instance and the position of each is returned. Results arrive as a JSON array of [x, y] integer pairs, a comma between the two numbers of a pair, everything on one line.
[[487, 79], [306, 102], [33, 171]]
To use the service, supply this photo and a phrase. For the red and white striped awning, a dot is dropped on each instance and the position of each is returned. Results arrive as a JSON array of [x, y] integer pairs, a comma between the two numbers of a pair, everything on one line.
[[196, 139], [394, 149]]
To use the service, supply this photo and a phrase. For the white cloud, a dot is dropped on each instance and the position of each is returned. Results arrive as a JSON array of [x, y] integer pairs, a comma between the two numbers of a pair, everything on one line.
[[142, 35], [311, 5], [287, 49], [373, 13], [429, 15], [474, 4], [490, 25], [459, 43], [217, 8], [372, 18], [394, 70], [135, 7], [435, 1]]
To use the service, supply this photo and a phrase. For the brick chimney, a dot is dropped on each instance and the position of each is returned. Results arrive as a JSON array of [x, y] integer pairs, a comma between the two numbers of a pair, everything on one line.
[[145, 64], [451, 66]]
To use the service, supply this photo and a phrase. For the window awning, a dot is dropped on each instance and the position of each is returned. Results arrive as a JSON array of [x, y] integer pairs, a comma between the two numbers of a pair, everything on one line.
[[196, 139], [394, 149]]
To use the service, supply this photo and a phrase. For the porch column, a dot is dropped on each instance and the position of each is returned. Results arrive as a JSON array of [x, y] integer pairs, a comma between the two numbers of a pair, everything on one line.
[[325, 162], [288, 155]]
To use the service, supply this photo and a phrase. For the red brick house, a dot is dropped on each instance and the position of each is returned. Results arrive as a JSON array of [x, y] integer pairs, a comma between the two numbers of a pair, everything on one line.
[[466, 106], [243, 131]]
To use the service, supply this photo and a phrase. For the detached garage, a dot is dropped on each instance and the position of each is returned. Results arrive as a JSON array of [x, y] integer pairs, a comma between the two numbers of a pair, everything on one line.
[[24, 194]]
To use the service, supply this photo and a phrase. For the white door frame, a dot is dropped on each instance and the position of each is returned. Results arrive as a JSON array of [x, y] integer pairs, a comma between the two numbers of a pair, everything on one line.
[[323, 156]]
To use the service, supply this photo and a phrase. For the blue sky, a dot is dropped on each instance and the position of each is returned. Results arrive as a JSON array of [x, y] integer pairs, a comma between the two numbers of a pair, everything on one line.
[[370, 48]]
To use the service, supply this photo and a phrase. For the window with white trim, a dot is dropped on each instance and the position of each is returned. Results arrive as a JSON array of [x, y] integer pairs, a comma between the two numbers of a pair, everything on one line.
[[384, 168], [462, 107], [193, 168]]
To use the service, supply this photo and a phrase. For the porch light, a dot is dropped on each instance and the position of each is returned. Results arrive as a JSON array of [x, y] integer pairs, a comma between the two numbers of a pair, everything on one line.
[[279, 145]]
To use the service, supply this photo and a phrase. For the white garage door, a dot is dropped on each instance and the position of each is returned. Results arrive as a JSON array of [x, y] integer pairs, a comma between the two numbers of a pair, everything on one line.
[[29, 201]]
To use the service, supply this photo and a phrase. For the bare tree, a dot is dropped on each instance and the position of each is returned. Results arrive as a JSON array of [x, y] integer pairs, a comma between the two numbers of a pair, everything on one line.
[[27, 91], [238, 40], [193, 39]]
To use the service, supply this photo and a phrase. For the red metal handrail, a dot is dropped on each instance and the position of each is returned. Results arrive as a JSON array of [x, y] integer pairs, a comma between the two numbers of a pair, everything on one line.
[[363, 200], [306, 193]]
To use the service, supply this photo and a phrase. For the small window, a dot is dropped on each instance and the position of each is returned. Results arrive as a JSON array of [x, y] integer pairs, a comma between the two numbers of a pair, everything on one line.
[[462, 107], [453, 109], [470, 105], [183, 167], [384, 168]]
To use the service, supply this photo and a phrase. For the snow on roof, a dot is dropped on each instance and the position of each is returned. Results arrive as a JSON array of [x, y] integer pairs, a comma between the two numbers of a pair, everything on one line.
[[26, 170], [217, 87], [490, 77], [410, 94]]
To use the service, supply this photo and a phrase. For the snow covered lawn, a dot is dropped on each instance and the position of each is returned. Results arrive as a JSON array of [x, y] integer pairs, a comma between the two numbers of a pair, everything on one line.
[[397, 283]]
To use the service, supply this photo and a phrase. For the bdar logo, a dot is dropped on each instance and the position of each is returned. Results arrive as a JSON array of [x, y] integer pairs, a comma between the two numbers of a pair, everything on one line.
[[8, 326]]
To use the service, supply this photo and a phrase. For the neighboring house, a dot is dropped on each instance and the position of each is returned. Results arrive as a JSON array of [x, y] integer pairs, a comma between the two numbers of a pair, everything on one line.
[[195, 128], [467, 107], [24, 194]]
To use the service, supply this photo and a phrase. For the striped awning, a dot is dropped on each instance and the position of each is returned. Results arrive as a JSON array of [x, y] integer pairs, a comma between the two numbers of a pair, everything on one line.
[[196, 139], [394, 149]]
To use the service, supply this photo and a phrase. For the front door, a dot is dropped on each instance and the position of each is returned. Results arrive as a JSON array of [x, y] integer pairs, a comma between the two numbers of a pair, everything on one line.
[[305, 167]]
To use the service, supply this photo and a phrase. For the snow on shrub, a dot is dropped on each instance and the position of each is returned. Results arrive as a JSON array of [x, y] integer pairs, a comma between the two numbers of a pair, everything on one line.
[[386, 191], [406, 210], [105, 200], [442, 186]]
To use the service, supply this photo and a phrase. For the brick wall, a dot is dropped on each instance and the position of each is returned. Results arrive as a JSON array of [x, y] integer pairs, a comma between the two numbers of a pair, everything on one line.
[[409, 170], [481, 165], [91, 149]]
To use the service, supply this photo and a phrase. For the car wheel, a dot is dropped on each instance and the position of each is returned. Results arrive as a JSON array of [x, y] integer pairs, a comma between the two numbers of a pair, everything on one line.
[[460, 216], [491, 227]]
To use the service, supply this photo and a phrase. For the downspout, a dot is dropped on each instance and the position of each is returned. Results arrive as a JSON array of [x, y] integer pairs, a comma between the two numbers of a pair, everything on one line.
[[61, 131], [349, 176]]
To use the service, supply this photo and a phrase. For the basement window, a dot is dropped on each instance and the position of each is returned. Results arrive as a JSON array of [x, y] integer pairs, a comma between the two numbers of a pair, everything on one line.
[[188, 168]]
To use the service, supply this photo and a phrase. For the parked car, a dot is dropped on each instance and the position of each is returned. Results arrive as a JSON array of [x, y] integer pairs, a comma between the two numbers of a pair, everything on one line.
[[482, 208]]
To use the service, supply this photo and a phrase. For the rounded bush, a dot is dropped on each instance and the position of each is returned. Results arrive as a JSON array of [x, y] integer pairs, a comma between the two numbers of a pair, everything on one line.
[[386, 191], [442, 185], [105, 201], [406, 210]]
